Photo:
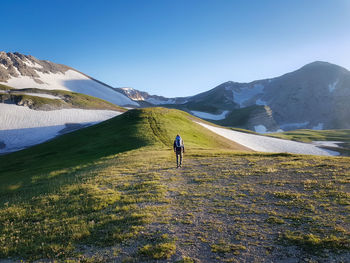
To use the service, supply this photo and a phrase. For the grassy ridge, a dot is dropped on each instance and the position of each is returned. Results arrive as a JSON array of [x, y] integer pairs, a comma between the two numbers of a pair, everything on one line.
[[111, 193], [154, 127], [5, 87], [66, 99]]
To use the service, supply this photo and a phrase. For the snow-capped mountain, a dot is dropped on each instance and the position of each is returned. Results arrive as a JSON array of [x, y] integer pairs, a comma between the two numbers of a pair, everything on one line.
[[36, 102], [316, 96], [142, 96], [24, 71]]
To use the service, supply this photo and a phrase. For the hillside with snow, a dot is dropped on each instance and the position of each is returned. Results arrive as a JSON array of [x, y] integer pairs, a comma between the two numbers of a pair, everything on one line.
[[21, 127], [316, 96], [40, 100], [268, 144], [32, 116], [24, 71]]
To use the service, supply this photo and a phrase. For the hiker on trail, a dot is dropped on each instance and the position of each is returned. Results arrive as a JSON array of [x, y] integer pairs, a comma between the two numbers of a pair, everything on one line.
[[179, 149]]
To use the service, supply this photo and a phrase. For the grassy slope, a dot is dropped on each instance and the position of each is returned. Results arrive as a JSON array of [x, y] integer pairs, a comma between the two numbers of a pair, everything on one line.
[[5, 87], [67, 99], [97, 195], [132, 130]]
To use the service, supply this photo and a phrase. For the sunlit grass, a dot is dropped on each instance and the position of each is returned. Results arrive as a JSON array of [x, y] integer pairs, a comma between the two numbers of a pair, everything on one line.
[[128, 203]]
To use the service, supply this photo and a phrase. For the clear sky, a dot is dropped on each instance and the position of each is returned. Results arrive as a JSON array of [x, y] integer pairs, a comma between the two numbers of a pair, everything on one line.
[[178, 47]]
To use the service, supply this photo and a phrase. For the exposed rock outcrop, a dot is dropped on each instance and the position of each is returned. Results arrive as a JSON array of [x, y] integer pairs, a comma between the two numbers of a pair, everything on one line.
[[261, 120], [16, 64]]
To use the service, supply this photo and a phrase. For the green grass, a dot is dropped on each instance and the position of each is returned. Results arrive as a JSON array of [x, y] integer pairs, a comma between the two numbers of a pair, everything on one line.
[[51, 161], [111, 192], [5, 87], [34, 102], [67, 99]]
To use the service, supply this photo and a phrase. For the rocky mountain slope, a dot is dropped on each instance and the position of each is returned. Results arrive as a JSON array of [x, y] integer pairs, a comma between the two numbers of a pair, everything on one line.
[[315, 96], [25, 71], [145, 98]]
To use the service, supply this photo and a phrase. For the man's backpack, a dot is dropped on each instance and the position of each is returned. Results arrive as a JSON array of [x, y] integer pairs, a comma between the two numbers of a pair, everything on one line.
[[178, 141]]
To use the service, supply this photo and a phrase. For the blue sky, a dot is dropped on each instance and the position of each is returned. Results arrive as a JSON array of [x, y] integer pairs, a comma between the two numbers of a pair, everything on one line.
[[179, 47]]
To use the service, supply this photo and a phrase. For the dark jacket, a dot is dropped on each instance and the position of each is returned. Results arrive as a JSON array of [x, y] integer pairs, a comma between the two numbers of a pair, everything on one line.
[[179, 149]]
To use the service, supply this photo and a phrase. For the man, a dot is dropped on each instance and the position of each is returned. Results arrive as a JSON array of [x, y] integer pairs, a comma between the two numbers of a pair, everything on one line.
[[179, 149]]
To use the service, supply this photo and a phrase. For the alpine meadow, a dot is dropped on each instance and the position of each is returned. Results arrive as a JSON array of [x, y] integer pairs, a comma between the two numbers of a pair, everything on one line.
[[185, 131]]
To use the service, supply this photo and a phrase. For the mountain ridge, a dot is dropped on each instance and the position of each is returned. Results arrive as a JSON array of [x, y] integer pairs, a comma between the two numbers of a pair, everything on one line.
[[312, 97], [25, 71]]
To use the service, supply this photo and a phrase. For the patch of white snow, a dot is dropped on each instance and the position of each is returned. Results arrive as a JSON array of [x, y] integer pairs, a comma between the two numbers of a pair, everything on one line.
[[209, 116], [31, 64], [328, 143], [160, 102], [260, 129], [332, 86], [318, 127], [241, 95], [268, 144], [21, 127], [260, 102], [41, 95], [74, 81]]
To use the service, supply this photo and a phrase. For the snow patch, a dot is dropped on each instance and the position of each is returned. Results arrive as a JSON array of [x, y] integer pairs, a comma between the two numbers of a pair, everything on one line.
[[209, 116], [331, 87], [159, 102], [241, 95], [328, 143], [260, 129], [74, 81], [318, 127], [41, 95], [261, 102], [21, 127], [31, 64], [268, 144]]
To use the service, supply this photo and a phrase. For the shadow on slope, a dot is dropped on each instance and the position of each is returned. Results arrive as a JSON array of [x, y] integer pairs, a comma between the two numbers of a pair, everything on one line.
[[18, 139], [54, 163], [97, 89], [20, 170]]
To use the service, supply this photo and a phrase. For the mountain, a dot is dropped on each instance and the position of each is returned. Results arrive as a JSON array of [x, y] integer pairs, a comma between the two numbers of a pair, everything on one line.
[[146, 99], [25, 71], [315, 96], [40, 100], [32, 116]]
